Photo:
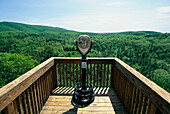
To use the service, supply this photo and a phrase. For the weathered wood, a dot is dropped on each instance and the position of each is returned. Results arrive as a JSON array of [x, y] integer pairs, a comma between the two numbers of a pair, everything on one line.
[[12, 90], [159, 97], [77, 73]]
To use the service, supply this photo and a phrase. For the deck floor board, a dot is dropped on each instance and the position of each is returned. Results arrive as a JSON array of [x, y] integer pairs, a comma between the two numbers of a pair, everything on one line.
[[60, 101]]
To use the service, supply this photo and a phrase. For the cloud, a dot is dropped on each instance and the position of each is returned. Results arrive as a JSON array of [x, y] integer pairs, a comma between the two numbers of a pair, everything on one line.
[[164, 9], [116, 3]]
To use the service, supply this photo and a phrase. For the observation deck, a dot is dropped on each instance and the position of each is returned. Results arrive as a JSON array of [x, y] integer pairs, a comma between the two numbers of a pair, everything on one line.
[[48, 88]]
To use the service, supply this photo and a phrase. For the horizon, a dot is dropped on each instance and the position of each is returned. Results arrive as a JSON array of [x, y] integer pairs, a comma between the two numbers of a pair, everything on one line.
[[97, 16]]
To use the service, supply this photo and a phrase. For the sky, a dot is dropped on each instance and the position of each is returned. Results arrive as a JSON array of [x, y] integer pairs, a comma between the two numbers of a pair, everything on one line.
[[90, 15]]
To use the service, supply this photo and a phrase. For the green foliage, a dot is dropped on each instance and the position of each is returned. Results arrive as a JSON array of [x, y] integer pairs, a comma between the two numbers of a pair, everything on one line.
[[14, 65], [146, 51]]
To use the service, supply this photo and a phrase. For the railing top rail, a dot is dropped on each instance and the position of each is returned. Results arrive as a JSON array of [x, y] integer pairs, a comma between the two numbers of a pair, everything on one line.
[[9, 92], [155, 93]]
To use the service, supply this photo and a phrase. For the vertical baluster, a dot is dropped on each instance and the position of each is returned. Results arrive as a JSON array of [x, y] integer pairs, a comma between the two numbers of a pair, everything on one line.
[[15, 107], [87, 73], [38, 95], [94, 76], [144, 105], [67, 74], [90, 73], [73, 76], [126, 95], [63, 76], [97, 75], [104, 76], [20, 105], [80, 73], [137, 101], [149, 107], [101, 72], [40, 92], [24, 102], [133, 99], [35, 97], [130, 96], [107, 76], [32, 99], [60, 75], [56, 75], [70, 76], [10, 109], [29, 102], [77, 72], [140, 103]]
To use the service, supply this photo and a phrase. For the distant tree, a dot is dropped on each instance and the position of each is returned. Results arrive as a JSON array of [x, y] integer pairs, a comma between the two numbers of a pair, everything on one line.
[[14, 65]]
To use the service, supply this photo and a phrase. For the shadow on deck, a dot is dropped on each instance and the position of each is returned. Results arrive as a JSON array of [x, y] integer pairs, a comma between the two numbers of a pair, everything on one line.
[[60, 101]]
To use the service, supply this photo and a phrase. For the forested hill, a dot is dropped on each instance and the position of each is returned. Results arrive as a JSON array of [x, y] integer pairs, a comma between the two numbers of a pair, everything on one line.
[[146, 51]]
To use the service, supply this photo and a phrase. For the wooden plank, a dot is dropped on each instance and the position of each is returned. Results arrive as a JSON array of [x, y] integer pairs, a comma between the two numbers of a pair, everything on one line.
[[32, 99], [40, 91], [24, 103], [12, 90], [153, 91]]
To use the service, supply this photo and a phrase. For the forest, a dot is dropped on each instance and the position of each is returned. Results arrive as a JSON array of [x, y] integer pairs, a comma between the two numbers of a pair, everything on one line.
[[23, 46]]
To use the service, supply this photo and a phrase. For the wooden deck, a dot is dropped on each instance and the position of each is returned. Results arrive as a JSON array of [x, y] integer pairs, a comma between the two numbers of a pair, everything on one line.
[[106, 102]]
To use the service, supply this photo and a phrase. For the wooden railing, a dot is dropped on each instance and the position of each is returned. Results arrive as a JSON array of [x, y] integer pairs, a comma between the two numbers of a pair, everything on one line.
[[29, 92], [138, 93]]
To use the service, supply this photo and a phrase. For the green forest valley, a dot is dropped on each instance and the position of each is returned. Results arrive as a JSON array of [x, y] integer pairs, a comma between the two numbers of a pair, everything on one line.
[[23, 46]]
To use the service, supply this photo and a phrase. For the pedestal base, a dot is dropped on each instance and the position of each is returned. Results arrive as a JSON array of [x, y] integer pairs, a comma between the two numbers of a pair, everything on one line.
[[83, 97]]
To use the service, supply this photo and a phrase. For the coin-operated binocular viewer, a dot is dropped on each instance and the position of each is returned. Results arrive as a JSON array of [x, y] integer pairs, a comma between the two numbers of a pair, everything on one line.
[[83, 93]]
